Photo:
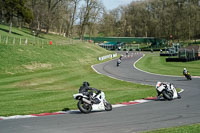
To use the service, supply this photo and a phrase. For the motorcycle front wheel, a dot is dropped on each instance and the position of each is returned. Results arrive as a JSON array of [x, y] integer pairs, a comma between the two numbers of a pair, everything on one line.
[[84, 107], [167, 95], [108, 106]]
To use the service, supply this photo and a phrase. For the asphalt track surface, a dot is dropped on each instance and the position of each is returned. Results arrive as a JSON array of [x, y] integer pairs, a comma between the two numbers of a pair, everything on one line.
[[128, 119]]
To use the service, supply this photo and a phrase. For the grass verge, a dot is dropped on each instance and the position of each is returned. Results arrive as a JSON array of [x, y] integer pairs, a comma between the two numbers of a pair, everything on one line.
[[195, 128], [154, 63]]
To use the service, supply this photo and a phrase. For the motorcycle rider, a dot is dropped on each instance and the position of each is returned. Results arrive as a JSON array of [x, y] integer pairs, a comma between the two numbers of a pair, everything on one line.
[[157, 86], [127, 53], [88, 91], [185, 71], [165, 84], [118, 61]]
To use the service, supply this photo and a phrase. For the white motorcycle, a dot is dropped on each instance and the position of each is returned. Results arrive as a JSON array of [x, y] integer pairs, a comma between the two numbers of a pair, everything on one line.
[[97, 102], [167, 90]]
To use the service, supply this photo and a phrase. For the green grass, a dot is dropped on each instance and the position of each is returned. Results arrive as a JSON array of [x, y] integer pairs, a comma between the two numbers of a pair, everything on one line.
[[156, 64], [195, 128], [35, 79], [24, 33]]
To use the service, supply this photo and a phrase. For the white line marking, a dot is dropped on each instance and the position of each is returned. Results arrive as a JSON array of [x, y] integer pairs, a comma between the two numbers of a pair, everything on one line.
[[17, 117], [134, 65], [95, 69], [115, 77], [118, 105], [182, 90], [142, 101]]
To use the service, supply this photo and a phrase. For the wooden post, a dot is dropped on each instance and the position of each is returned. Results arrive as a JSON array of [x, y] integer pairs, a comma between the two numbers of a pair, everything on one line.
[[41, 44], [14, 41], [6, 39], [26, 42], [20, 41]]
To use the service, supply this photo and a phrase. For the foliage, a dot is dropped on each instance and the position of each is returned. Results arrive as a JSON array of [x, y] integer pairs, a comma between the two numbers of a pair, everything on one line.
[[154, 18], [169, 19], [16, 8]]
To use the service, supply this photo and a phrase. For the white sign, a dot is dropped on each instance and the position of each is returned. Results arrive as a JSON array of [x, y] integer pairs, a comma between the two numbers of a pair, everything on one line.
[[107, 56]]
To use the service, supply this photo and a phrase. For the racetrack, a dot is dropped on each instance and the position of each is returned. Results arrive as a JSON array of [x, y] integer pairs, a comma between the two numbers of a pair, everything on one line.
[[140, 117]]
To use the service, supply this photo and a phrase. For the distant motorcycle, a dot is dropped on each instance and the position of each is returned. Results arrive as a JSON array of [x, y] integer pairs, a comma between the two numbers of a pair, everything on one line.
[[96, 103], [188, 76], [118, 62], [167, 90]]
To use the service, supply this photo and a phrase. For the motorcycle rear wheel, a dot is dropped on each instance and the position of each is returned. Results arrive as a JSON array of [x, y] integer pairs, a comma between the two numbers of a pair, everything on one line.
[[167, 95], [84, 107]]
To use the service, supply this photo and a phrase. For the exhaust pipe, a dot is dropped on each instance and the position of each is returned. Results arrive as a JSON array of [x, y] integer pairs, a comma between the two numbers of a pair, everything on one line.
[[86, 101]]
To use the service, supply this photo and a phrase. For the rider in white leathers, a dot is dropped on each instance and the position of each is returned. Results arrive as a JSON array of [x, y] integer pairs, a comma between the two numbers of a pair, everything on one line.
[[166, 85]]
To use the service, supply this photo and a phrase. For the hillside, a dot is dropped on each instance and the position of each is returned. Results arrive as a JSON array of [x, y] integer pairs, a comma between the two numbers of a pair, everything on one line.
[[19, 59], [37, 79]]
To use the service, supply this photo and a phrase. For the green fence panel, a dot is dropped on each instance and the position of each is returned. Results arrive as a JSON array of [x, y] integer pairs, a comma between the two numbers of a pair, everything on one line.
[[151, 40]]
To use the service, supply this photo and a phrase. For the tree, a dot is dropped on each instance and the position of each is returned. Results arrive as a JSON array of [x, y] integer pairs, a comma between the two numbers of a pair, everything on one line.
[[87, 12], [109, 24], [16, 8], [51, 10], [73, 14], [155, 18], [1, 11]]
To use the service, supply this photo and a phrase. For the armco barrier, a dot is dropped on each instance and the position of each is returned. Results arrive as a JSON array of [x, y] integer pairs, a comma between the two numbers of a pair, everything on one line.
[[107, 56]]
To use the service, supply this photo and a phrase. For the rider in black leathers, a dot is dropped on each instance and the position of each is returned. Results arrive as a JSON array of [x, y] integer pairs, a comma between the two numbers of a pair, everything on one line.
[[88, 91]]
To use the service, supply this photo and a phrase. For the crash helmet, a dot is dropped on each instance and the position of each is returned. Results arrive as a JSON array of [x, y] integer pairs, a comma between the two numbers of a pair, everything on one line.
[[86, 83], [158, 84], [184, 69]]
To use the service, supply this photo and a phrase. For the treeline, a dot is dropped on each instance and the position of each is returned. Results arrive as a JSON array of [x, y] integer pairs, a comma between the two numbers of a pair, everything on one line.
[[67, 17], [170, 19], [175, 19]]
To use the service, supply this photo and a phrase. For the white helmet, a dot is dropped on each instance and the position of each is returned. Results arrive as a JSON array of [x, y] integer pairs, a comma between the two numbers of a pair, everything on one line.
[[158, 84], [184, 69]]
